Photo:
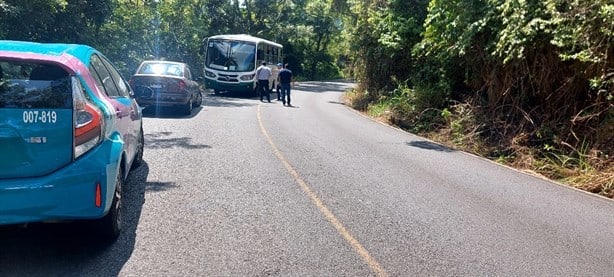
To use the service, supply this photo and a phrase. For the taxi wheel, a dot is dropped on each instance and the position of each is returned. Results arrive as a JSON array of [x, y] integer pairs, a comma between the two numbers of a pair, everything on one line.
[[109, 227], [140, 147]]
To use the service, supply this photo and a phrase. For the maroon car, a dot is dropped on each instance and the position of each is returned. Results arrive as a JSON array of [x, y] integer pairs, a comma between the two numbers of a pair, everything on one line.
[[166, 84]]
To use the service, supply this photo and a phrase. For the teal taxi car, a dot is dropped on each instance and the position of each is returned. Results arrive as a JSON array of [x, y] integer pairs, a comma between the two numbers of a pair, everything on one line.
[[70, 132]]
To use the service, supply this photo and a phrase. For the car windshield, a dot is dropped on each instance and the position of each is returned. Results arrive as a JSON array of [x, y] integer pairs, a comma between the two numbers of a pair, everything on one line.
[[34, 85], [161, 69], [231, 55]]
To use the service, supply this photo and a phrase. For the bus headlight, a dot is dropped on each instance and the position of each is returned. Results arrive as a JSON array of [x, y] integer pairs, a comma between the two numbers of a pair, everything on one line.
[[209, 74], [247, 77]]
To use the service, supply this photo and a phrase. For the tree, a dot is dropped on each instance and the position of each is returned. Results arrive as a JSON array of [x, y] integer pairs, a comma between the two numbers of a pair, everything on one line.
[[382, 35], [53, 20]]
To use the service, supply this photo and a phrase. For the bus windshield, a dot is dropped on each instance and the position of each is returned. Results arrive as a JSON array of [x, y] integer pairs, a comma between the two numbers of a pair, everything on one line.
[[231, 55]]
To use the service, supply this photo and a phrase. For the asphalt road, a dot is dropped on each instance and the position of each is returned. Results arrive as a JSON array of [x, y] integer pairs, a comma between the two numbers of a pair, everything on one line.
[[247, 188]]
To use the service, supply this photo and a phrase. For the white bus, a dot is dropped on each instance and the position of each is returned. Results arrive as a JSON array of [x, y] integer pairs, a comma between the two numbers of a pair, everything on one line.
[[231, 61]]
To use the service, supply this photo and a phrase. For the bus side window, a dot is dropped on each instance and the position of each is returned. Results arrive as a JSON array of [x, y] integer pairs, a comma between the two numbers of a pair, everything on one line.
[[260, 52]]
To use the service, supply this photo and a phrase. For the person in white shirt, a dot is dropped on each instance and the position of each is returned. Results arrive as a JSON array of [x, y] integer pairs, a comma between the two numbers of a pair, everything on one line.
[[263, 73]]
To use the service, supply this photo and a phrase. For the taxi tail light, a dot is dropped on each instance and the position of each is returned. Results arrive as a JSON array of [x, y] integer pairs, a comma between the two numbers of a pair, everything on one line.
[[87, 121]]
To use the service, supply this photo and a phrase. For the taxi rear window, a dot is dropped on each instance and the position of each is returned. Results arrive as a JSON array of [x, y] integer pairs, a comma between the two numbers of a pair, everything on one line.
[[27, 85]]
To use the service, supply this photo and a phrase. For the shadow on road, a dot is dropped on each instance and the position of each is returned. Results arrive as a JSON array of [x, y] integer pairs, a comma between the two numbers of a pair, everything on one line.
[[70, 249], [230, 101], [324, 86], [430, 146], [169, 112], [337, 102], [163, 140]]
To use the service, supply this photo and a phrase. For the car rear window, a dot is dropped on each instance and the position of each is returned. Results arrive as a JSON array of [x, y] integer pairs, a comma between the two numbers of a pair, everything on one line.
[[161, 69], [26, 85]]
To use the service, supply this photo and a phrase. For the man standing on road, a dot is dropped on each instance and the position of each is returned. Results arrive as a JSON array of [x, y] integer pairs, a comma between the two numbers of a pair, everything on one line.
[[285, 79], [263, 73], [277, 86]]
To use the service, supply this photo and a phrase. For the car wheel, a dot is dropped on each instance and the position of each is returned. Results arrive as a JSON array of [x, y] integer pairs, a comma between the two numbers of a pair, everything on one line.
[[109, 227], [187, 108], [199, 99], [140, 148]]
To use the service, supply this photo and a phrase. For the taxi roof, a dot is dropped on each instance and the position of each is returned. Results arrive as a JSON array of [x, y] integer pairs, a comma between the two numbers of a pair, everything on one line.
[[79, 51]]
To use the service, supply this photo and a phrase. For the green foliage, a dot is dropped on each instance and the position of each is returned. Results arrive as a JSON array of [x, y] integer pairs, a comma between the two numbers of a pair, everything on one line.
[[131, 31], [522, 24], [379, 109], [558, 163], [411, 108], [318, 32], [464, 126], [327, 71], [381, 35], [404, 111], [52, 20], [451, 27], [129, 34], [358, 99], [584, 29]]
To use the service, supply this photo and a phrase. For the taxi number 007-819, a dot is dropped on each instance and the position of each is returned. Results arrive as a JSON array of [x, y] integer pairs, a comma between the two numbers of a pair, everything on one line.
[[39, 117]]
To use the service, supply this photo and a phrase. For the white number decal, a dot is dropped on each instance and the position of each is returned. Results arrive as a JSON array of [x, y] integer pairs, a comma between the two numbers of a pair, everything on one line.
[[40, 116]]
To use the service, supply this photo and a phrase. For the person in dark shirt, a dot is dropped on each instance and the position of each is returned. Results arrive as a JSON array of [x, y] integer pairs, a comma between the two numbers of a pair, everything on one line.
[[277, 86], [285, 80]]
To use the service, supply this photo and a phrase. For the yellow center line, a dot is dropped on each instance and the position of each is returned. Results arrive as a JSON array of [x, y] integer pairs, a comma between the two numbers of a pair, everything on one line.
[[328, 214]]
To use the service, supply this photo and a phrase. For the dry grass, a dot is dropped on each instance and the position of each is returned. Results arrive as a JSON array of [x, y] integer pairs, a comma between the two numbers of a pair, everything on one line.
[[598, 179]]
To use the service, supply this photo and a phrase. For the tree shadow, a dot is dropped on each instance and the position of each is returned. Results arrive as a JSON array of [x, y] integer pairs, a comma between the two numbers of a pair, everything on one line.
[[170, 112], [232, 94], [337, 102], [162, 140], [324, 86], [224, 100], [430, 146], [71, 249]]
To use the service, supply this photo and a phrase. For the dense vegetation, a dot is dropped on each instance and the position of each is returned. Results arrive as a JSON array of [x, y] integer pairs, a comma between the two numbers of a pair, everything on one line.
[[529, 83]]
